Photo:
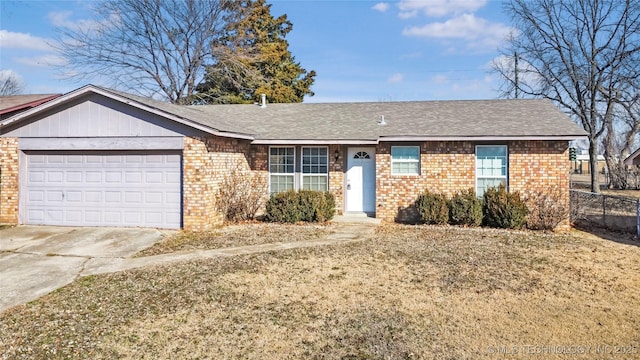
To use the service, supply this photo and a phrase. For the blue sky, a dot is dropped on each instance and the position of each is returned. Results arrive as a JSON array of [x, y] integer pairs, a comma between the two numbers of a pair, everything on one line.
[[361, 50]]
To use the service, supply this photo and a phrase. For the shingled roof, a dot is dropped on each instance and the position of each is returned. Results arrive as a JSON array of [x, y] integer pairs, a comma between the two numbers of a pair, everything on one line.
[[465, 119], [531, 119]]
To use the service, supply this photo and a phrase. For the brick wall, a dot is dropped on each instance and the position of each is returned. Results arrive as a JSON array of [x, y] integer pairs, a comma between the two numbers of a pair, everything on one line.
[[206, 161], [336, 175], [445, 167], [9, 168], [540, 166], [448, 167]]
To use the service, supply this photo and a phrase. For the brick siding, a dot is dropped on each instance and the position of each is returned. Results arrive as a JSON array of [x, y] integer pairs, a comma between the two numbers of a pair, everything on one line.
[[9, 169], [206, 161], [448, 167], [445, 167]]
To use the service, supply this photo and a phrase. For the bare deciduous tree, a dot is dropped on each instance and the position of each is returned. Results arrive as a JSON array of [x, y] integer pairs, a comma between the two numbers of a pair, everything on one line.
[[581, 54], [621, 138], [148, 47], [10, 83]]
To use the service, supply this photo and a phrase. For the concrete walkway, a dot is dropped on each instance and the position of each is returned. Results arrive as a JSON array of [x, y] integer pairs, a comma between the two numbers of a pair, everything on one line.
[[37, 260], [347, 229]]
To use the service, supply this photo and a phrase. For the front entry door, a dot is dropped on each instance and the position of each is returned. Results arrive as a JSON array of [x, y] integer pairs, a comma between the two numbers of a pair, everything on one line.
[[361, 180]]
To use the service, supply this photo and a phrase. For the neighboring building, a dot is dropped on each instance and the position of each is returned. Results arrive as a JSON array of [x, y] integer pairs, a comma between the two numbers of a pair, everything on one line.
[[14, 104], [633, 159], [98, 157], [582, 164]]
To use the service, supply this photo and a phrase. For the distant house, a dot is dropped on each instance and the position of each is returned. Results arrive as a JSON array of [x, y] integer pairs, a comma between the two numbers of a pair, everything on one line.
[[633, 159], [98, 157], [582, 164], [14, 104]]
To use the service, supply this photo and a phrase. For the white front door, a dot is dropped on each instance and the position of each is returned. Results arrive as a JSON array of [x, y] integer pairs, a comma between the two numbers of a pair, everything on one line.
[[361, 180]]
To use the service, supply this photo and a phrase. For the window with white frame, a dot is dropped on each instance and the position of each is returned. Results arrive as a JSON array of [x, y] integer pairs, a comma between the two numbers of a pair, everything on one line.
[[315, 168], [491, 167], [281, 169], [405, 160]]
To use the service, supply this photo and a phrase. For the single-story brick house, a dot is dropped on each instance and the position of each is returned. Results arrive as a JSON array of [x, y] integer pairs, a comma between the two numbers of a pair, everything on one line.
[[99, 157]]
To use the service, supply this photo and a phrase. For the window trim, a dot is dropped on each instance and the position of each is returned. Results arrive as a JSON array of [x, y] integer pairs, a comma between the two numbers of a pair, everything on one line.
[[418, 161], [302, 173], [506, 167], [293, 174]]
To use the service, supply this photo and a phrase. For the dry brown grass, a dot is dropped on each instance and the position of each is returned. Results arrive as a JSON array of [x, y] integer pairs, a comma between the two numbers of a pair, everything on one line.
[[627, 193], [252, 233], [408, 292]]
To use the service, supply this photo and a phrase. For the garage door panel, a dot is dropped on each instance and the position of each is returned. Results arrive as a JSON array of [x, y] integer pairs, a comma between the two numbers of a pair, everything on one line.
[[104, 189], [54, 215], [74, 176], [73, 216], [74, 196], [36, 177], [35, 196]]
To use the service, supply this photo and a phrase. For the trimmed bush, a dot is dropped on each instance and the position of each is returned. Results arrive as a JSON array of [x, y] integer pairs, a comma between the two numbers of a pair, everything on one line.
[[432, 208], [316, 206], [283, 207], [465, 209], [502, 209], [309, 206]]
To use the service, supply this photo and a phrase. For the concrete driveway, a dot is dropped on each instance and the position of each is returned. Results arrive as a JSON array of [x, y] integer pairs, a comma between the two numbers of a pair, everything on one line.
[[35, 260]]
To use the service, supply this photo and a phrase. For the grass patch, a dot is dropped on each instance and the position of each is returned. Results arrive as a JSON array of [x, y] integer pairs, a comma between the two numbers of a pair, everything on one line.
[[407, 292], [236, 235]]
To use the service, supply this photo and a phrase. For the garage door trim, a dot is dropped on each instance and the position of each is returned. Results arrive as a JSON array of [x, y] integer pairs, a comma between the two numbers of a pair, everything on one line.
[[170, 211]]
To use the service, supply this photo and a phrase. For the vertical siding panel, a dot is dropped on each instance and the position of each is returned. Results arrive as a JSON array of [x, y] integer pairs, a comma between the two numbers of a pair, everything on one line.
[[99, 117]]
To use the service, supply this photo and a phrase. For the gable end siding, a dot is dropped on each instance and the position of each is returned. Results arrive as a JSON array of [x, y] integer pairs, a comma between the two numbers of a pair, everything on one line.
[[96, 116]]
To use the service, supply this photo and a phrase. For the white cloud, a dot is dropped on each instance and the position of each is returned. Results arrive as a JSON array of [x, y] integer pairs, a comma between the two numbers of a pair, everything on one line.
[[41, 61], [6, 74], [63, 19], [478, 32], [16, 40], [527, 74], [382, 7], [395, 78], [438, 8]]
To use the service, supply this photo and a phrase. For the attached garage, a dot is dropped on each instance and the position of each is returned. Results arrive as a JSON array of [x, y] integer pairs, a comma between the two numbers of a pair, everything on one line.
[[102, 188]]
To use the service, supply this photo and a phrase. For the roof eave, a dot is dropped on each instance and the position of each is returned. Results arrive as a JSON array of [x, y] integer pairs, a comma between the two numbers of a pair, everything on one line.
[[314, 142], [97, 90], [630, 160], [29, 104], [411, 139], [483, 138]]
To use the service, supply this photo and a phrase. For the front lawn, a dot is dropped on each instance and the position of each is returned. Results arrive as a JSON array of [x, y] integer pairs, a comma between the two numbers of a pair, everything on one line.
[[407, 292]]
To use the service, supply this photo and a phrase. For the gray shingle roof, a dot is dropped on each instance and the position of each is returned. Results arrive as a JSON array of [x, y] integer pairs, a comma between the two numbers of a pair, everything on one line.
[[359, 121]]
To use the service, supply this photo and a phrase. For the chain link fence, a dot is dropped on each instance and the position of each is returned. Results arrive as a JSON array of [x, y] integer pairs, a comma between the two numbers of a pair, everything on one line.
[[608, 211]]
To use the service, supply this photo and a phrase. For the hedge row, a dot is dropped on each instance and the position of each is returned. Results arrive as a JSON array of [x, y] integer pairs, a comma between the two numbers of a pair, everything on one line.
[[304, 205], [497, 208]]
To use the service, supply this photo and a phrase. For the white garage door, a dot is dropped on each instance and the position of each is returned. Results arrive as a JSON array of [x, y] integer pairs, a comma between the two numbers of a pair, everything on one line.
[[103, 189]]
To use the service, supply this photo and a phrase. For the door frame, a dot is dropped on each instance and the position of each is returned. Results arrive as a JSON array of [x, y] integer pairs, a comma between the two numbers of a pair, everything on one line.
[[351, 150]]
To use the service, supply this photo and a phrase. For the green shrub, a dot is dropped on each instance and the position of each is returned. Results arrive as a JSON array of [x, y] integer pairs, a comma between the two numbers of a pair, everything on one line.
[[283, 207], [316, 206], [465, 209], [502, 209], [432, 208], [291, 206]]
